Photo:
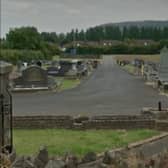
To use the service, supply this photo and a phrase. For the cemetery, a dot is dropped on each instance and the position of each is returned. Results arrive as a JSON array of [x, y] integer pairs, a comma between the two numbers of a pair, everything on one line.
[[84, 84], [51, 75], [118, 138], [132, 128], [153, 69]]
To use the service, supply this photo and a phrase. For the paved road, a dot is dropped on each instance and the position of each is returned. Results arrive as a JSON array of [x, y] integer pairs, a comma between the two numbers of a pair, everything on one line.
[[110, 90], [153, 148]]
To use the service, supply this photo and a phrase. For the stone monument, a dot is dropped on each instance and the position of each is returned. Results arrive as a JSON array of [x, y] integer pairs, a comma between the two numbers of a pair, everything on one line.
[[32, 77]]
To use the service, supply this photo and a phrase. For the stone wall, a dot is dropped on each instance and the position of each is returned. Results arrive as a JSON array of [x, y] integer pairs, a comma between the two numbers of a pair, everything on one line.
[[155, 113], [40, 122], [162, 125], [95, 122], [119, 124]]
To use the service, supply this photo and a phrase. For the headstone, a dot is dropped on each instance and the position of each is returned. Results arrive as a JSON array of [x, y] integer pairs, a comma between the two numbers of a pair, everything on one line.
[[163, 68], [150, 71], [32, 77], [82, 68], [65, 66], [68, 68], [53, 71]]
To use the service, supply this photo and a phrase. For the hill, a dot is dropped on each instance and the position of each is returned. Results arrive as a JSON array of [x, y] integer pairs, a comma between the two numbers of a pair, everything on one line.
[[147, 23]]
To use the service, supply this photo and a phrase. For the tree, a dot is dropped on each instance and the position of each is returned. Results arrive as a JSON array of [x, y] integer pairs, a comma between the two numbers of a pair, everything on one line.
[[24, 38], [50, 37], [82, 36]]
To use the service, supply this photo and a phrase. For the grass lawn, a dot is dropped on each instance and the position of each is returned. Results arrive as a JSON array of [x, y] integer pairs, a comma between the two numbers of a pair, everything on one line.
[[59, 141], [68, 84], [153, 58], [129, 68]]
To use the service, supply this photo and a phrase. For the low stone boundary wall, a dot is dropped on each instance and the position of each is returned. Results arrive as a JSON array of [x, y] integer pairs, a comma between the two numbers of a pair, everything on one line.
[[155, 113], [120, 117], [162, 125], [27, 122], [95, 122], [119, 124]]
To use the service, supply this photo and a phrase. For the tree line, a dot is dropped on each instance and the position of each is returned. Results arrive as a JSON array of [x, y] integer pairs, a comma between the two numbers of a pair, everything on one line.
[[101, 33], [26, 43]]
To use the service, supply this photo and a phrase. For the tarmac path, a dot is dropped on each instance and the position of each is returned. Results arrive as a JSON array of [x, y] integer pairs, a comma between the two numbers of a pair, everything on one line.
[[110, 90]]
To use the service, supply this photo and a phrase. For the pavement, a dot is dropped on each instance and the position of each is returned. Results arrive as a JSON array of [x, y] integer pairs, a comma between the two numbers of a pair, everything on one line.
[[153, 148], [109, 90]]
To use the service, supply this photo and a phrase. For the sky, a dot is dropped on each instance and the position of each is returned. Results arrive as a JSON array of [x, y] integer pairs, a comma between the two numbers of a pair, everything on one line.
[[63, 15]]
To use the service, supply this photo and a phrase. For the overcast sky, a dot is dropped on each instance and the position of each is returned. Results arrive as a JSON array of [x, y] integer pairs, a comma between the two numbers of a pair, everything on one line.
[[63, 15]]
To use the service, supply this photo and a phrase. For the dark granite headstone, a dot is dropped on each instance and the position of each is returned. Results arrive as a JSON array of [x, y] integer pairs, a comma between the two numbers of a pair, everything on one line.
[[53, 71], [33, 76], [68, 68], [65, 66]]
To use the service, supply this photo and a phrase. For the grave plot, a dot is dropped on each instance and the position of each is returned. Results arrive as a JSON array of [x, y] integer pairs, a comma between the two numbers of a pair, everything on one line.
[[56, 75], [152, 69], [32, 78], [73, 68], [69, 72], [131, 65], [150, 73]]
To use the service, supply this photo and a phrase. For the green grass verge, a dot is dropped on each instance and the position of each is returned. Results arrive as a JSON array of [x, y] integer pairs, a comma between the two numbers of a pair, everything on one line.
[[153, 58], [59, 141], [68, 84], [129, 68]]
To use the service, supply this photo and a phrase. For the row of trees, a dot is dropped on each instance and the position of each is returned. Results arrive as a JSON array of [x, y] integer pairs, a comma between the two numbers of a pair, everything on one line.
[[27, 44], [100, 33], [30, 38]]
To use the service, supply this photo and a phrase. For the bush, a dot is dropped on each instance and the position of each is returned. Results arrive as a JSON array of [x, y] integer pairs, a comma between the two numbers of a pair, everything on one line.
[[14, 56], [118, 49]]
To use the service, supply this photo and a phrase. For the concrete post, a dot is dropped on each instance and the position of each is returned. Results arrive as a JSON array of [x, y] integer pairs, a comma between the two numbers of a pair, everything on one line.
[[5, 109]]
